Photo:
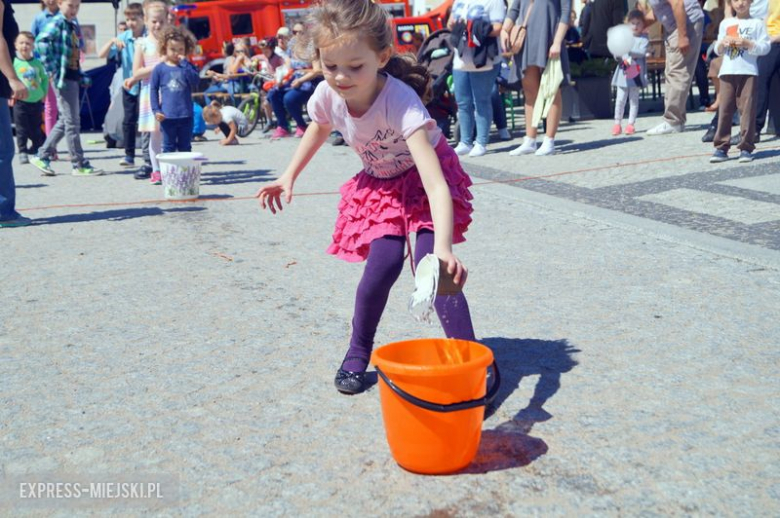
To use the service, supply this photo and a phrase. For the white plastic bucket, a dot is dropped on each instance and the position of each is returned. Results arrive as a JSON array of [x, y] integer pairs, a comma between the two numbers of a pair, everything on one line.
[[180, 174]]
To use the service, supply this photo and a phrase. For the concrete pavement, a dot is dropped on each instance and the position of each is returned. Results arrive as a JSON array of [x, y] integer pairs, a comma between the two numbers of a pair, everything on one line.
[[627, 287]]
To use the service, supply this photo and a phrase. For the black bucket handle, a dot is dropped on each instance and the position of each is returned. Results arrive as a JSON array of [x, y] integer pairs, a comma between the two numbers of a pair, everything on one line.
[[452, 407]]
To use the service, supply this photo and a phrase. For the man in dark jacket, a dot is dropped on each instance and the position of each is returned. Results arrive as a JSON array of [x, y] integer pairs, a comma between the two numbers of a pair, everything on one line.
[[10, 88], [603, 15]]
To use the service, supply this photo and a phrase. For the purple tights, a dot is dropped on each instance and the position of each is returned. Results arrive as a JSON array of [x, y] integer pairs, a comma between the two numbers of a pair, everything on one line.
[[383, 267]]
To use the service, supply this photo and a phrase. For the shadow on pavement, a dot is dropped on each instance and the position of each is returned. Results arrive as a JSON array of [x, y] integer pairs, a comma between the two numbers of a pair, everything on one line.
[[570, 147], [766, 153], [112, 215], [232, 177], [31, 185], [508, 445], [225, 162]]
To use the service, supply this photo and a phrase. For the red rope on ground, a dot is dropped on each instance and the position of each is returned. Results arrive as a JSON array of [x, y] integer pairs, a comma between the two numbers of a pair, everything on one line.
[[331, 193]]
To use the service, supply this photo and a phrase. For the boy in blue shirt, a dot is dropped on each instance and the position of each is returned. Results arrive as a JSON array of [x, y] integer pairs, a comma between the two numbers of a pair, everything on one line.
[[124, 47], [172, 83]]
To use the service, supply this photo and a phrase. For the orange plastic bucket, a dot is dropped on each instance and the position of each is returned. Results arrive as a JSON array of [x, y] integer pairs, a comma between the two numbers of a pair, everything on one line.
[[433, 398]]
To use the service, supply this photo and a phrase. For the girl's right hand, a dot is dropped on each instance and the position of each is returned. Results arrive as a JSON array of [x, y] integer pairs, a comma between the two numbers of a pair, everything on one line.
[[272, 193], [454, 266], [129, 82]]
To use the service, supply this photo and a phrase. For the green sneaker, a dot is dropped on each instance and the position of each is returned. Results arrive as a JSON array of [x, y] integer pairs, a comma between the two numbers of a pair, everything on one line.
[[21, 221], [43, 165], [86, 170]]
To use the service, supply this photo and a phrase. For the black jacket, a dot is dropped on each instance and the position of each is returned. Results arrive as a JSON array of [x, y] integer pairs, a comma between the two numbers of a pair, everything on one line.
[[480, 30], [603, 15]]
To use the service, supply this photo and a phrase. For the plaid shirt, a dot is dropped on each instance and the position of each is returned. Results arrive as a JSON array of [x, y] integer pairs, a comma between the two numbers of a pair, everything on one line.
[[54, 45]]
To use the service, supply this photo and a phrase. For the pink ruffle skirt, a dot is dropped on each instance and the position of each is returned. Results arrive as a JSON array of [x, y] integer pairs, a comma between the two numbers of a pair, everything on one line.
[[371, 207]]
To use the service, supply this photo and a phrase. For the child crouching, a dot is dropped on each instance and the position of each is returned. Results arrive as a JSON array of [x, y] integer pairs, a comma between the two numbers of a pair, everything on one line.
[[228, 119]]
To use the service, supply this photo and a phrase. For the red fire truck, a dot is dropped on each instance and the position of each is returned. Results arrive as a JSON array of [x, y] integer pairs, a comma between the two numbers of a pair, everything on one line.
[[216, 21]]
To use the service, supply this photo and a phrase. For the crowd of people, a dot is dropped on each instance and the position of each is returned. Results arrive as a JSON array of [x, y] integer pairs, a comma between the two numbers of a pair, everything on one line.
[[527, 44]]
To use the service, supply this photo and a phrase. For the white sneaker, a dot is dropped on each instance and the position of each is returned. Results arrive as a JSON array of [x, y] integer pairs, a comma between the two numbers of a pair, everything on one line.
[[503, 134], [547, 147], [665, 129], [462, 149], [477, 150], [526, 148]]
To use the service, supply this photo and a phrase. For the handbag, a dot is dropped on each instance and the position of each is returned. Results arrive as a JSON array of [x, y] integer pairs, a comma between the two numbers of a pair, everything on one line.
[[518, 33]]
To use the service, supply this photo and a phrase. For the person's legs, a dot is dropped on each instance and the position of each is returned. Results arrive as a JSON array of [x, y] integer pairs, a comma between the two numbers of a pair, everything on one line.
[[53, 137], [481, 86], [68, 98], [294, 99], [499, 113], [7, 184], [554, 115], [728, 104], [50, 109], [768, 66], [224, 128], [129, 122], [276, 99], [21, 122], [184, 131], [37, 135], [215, 88], [169, 135], [531, 78], [464, 98], [383, 266], [702, 83], [679, 72], [269, 112], [747, 101], [155, 146], [453, 310], [145, 136], [620, 103], [633, 104]]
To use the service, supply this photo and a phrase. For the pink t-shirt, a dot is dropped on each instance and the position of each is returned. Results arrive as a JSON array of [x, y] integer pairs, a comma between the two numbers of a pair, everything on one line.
[[379, 136]]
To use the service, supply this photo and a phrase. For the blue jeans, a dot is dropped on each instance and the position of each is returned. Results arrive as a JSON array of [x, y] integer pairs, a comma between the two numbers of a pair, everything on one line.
[[228, 87], [7, 185], [177, 134], [472, 93], [286, 100]]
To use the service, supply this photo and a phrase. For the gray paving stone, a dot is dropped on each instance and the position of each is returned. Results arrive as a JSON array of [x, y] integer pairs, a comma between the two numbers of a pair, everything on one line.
[[199, 340]]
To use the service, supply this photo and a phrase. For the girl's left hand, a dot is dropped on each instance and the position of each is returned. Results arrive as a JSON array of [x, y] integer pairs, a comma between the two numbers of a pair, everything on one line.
[[159, 116], [555, 50], [454, 267]]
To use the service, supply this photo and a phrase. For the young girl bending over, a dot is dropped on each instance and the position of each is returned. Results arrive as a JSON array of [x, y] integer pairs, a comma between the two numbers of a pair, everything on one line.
[[230, 121], [146, 58], [172, 83], [411, 180], [631, 75]]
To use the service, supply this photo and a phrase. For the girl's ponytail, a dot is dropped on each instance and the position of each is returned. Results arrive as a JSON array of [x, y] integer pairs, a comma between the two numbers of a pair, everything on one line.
[[216, 104], [406, 68]]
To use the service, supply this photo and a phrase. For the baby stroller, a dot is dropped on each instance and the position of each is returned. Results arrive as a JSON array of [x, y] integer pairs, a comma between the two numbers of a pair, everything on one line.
[[436, 54]]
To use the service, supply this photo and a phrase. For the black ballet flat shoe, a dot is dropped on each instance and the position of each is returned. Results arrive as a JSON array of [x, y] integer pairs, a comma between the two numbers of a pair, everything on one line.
[[349, 382]]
